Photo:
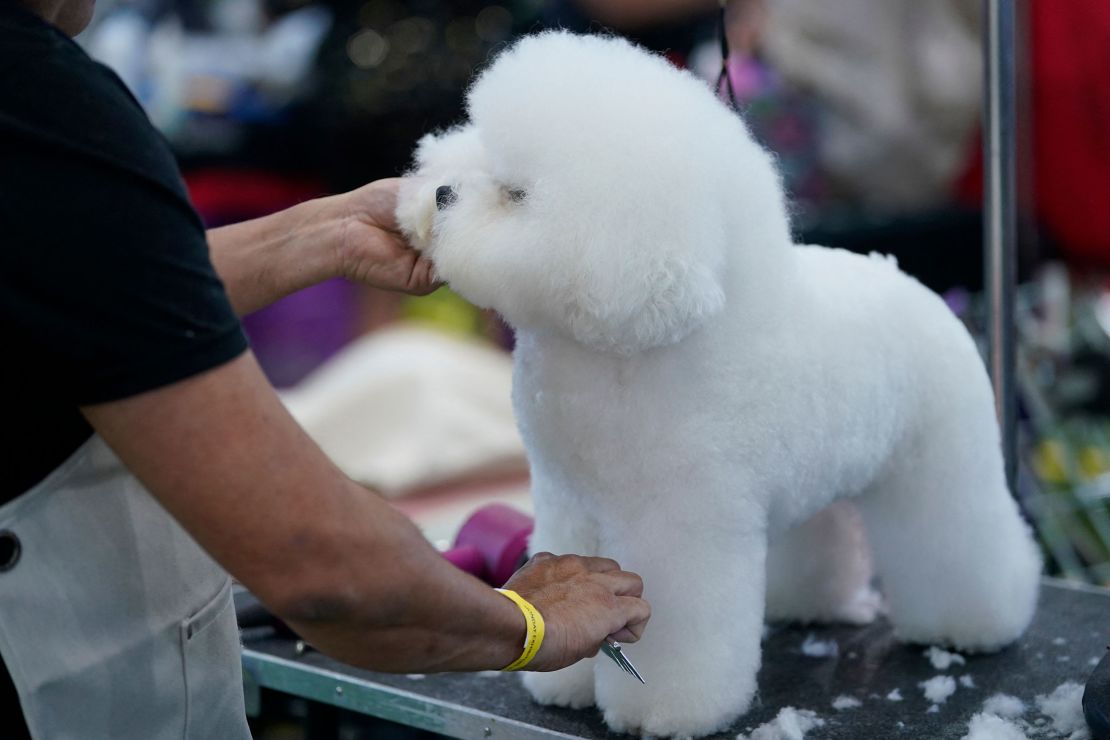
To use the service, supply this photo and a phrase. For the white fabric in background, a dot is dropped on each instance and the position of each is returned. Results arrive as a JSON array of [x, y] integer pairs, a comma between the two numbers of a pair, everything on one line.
[[407, 408], [899, 84]]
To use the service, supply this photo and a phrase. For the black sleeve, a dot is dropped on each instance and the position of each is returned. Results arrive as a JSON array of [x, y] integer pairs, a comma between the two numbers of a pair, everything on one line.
[[107, 279], [106, 286]]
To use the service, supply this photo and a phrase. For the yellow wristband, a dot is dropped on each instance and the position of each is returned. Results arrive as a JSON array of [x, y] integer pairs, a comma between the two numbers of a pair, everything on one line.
[[533, 620]]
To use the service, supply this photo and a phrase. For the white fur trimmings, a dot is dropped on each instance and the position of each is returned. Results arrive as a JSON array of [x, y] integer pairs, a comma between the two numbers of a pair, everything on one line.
[[985, 726], [788, 724], [695, 391], [1064, 707], [938, 688], [942, 659], [1004, 705]]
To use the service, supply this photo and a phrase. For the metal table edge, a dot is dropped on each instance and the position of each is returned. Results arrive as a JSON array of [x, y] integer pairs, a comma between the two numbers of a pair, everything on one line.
[[385, 702], [1074, 585]]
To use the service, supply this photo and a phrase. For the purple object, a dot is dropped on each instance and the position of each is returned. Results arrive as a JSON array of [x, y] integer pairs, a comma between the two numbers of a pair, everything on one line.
[[468, 558], [294, 336], [492, 543], [959, 300]]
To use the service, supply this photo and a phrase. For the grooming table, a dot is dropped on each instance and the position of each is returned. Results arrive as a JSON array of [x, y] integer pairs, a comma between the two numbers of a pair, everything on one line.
[[1071, 631]]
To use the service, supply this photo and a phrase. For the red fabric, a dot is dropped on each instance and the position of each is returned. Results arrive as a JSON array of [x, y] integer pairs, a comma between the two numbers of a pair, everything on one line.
[[1070, 45], [224, 196]]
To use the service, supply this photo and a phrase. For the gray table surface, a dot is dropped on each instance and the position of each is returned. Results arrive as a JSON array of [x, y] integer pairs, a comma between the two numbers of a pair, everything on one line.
[[1071, 631]]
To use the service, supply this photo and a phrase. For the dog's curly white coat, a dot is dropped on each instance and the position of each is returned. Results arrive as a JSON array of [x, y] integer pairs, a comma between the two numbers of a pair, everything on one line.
[[691, 385]]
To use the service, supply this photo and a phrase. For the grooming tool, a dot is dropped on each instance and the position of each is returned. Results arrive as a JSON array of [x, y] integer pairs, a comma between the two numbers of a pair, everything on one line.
[[613, 650]]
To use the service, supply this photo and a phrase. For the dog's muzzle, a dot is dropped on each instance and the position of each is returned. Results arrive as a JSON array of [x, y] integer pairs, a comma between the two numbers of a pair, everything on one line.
[[445, 196]]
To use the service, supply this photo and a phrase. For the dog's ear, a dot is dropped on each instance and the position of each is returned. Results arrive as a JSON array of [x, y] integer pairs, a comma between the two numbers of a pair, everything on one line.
[[642, 289]]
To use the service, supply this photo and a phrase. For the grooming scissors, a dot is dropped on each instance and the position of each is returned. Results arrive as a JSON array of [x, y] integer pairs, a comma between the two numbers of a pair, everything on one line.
[[613, 650]]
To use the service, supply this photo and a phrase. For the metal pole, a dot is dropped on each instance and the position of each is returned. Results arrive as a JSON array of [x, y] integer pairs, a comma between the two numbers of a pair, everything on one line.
[[999, 223]]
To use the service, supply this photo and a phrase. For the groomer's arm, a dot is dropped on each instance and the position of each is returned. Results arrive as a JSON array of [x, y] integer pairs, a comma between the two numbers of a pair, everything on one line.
[[352, 235], [351, 575]]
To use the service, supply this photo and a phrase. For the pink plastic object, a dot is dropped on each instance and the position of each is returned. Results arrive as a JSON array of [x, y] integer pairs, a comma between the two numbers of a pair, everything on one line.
[[492, 543], [470, 559]]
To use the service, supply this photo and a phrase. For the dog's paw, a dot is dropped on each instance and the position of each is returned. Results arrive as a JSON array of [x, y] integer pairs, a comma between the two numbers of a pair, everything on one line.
[[571, 687], [863, 608], [657, 721], [674, 710]]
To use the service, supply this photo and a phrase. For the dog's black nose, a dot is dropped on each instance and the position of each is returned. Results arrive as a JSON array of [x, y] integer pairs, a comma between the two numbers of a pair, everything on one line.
[[445, 196]]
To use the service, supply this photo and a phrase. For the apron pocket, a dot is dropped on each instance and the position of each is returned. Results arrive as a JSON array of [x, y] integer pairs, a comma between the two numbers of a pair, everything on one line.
[[213, 703]]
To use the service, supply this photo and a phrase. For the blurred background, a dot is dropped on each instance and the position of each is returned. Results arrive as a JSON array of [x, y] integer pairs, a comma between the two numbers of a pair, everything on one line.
[[872, 106]]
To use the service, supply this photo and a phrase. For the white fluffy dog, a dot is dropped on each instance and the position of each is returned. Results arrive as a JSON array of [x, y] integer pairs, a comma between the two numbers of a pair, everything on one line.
[[692, 386]]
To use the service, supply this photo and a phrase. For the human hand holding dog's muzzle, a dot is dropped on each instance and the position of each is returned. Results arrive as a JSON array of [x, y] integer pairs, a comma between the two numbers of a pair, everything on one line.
[[584, 602], [373, 250]]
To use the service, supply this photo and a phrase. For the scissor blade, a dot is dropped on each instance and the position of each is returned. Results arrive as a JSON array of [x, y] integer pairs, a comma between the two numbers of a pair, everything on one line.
[[632, 669], [613, 655], [613, 650]]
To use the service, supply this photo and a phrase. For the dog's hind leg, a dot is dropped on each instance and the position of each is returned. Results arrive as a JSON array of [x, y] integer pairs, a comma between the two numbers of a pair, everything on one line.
[[956, 561], [820, 571], [562, 527]]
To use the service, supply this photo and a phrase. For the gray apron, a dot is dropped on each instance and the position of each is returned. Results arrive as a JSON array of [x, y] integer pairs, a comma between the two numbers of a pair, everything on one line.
[[113, 622]]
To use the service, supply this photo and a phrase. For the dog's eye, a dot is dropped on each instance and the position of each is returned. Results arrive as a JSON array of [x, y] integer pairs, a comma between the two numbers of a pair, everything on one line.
[[516, 195]]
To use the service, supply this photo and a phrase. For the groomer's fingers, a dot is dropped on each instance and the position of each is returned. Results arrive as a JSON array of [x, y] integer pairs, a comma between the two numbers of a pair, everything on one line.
[[623, 583], [601, 565], [370, 248], [638, 613]]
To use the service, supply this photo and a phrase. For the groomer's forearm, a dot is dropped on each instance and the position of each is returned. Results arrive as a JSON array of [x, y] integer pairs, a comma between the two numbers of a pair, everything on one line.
[[224, 457], [271, 257], [411, 611]]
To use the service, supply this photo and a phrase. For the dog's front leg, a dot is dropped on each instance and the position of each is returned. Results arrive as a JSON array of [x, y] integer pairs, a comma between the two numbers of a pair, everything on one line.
[[564, 525], [703, 563]]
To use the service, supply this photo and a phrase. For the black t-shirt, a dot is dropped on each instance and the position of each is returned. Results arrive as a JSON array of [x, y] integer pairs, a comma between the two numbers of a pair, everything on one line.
[[106, 287]]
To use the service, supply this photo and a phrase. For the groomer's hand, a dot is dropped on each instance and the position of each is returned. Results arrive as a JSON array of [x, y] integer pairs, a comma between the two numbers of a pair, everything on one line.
[[371, 248], [582, 601], [352, 235]]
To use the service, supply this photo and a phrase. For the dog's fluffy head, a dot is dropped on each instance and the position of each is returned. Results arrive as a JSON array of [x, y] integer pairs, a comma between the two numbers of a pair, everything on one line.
[[594, 191]]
